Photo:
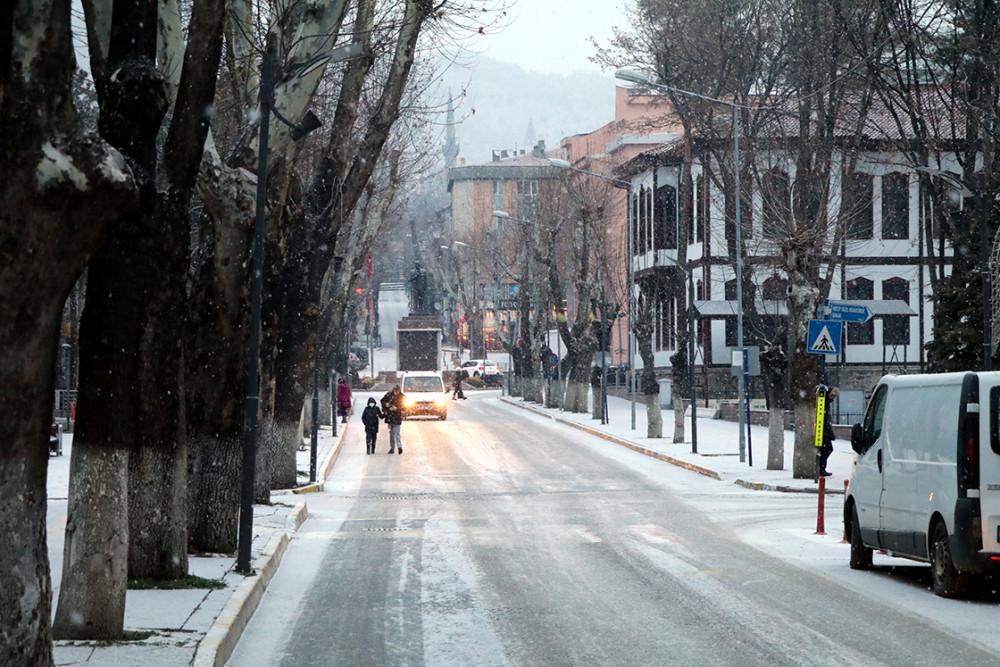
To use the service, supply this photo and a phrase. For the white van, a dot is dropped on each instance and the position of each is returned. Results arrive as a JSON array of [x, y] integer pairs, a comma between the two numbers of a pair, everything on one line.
[[425, 395], [926, 479]]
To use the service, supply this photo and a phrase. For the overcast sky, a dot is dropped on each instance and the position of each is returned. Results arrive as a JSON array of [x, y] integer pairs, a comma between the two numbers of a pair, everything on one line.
[[551, 36]]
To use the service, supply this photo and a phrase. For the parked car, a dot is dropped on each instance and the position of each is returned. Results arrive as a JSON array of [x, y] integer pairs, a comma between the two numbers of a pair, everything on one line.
[[484, 368], [425, 395], [926, 479], [361, 351], [355, 362]]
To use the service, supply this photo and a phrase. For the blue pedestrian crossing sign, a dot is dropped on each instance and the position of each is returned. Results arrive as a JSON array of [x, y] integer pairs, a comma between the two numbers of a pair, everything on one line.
[[824, 336]]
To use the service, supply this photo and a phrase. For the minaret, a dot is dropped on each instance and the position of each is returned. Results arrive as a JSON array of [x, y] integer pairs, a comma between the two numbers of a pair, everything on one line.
[[529, 135], [451, 143]]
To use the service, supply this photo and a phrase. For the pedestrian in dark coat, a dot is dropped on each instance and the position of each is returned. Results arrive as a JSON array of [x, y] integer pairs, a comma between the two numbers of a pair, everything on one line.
[[343, 400], [457, 386], [392, 408], [828, 435], [371, 418]]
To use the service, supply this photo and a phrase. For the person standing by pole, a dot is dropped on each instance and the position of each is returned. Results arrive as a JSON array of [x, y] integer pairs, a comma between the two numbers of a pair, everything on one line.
[[823, 454]]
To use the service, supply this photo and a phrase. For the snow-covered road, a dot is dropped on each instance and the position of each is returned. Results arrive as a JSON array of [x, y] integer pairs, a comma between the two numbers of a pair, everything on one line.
[[500, 537]]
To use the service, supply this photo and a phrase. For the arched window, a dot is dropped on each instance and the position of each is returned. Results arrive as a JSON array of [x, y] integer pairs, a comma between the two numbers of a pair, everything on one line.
[[643, 245], [635, 224], [665, 214]]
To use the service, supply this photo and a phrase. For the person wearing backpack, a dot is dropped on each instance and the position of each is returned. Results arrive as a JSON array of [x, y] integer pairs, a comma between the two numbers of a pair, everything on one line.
[[392, 408]]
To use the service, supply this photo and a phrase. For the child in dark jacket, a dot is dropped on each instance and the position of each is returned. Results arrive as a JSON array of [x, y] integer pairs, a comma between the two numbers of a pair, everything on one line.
[[370, 418]]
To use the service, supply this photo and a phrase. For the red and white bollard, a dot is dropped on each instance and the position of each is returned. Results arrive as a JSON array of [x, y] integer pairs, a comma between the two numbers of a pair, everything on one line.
[[822, 503]]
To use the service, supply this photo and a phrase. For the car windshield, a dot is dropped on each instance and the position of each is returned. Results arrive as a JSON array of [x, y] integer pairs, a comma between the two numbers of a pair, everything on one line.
[[422, 384]]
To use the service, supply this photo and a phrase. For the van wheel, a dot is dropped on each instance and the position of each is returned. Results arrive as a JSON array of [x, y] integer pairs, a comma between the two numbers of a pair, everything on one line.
[[861, 556], [946, 581]]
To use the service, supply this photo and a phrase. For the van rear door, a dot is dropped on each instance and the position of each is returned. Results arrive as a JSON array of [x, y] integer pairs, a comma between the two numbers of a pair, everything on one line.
[[989, 464]]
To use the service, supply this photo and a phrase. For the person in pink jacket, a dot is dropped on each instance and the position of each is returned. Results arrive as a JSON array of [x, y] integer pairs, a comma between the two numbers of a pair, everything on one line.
[[343, 400]]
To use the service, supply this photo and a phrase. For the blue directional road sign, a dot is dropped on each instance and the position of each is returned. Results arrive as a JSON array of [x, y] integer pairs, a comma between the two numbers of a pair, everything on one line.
[[846, 312], [824, 336]]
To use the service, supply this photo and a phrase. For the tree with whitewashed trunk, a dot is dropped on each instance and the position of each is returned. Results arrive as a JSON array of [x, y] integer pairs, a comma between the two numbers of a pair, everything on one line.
[[305, 241], [126, 514], [572, 251], [62, 190]]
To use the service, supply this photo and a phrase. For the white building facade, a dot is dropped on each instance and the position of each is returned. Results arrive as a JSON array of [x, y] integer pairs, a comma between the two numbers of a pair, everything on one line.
[[882, 250]]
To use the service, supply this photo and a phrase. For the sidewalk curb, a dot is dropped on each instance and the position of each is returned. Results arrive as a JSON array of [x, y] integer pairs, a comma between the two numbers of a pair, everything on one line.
[[694, 467], [767, 486], [325, 467], [220, 640]]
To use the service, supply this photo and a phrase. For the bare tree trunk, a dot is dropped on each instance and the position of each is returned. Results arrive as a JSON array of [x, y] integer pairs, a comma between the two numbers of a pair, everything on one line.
[[774, 367], [217, 346], [579, 388], [61, 191], [552, 392], [267, 444], [97, 523], [596, 405], [283, 420], [654, 415], [776, 438], [647, 378], [158, 545], [213, 492], [113, 400], [679, 406], [802, 297]]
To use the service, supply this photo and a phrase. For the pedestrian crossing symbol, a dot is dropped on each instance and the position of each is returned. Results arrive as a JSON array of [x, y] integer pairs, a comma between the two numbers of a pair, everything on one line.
[[824, 336]]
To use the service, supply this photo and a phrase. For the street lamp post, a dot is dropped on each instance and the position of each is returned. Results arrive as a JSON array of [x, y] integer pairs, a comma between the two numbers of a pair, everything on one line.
[[635, 76], [250, 403], [691, 351], [564, 164]]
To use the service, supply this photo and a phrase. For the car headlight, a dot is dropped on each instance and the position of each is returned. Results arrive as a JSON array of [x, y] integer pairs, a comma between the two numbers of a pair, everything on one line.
[[440, 401], [408, 402]]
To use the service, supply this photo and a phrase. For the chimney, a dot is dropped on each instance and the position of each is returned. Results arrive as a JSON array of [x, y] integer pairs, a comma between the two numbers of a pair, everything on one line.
[[496, 156], [503, 154], [539, 149]]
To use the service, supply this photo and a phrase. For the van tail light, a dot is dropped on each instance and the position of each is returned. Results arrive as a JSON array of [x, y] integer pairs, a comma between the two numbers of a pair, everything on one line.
[[972, 462]]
